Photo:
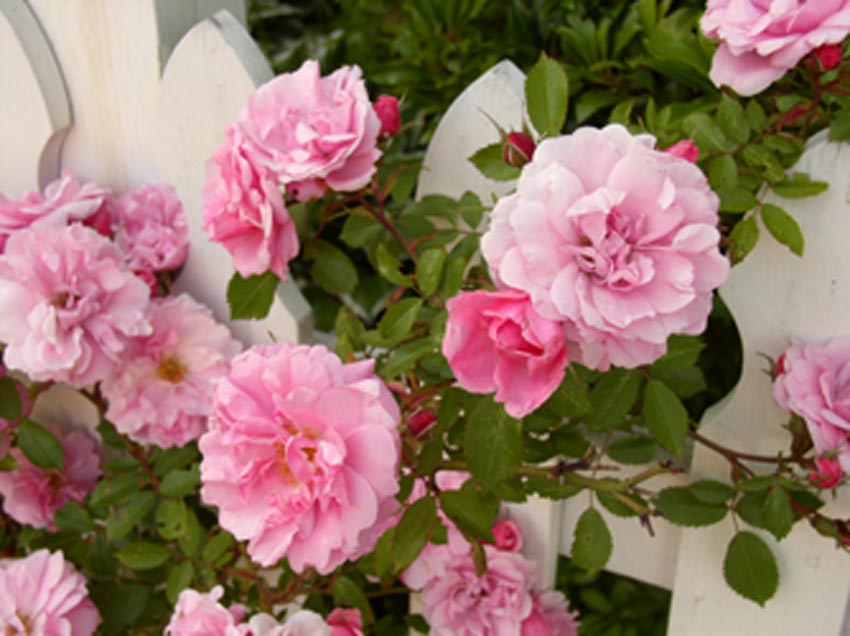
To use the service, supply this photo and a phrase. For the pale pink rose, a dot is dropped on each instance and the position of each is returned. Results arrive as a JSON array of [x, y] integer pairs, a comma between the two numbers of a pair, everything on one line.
[[302, 455], [151, 228], [64, 200], [305, 127], [814, 383], [201, 614], [301, 623], [686, 149], [43, 595], [496, 341], [32, 495], [508, 535], [762, 39], [245, 212], [345, 622], [161, 394], [614, 238], [69, 304], [386, 108], [550, 617]]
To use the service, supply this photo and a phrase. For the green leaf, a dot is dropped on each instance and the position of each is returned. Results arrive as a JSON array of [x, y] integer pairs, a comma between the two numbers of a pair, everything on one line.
[[179, 579], [129, 514], [756, 116], [783, 227], [736, 199], [120, 605], [172, 519], [217, 547], [429, 270], [347, 593], [471, 209], [682, 351], [612, 398], [360, 229], [143, 555], [732, 119], [389, 267], [711, 492], [722, 172], [592, 544], [332, 268], [614, 503], [491, 163], [547, 96], [173, 459], [74, 518], [180, 483], [706, 133], [665, 417], [492, 444], [636, 449], [571, 399], [404, 357], [40, 446], [550, 489], [750, 568], [799, 186], [470, 511], [839, 129], [777, 514], [10, 399], [110, 491], [251, 297], [744, 237], [396, 323], [453, 276], [681, 507], [412, 531]]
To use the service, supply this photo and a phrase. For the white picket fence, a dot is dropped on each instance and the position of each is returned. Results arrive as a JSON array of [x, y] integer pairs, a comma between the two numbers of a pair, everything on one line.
[[134, 91]]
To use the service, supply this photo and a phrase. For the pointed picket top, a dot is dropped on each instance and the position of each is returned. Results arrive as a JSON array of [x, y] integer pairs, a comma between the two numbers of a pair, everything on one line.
[[773, 296], [152, 85]]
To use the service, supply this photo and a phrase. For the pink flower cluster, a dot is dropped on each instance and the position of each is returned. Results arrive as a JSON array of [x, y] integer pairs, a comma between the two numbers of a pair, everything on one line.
[[302, 455], [301, 132], [813, 382], [43, 595], [760, 40], [506, 599], [201, 614]]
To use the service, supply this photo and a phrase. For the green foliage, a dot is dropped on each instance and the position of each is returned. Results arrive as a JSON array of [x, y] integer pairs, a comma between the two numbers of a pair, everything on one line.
[[750, 568], [251, 297], [592, 543]]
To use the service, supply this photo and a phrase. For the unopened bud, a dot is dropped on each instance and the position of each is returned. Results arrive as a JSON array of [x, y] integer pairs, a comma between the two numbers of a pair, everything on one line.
[[420, 421], [685, 149], [386, 107], [829, 56], [518, 149]]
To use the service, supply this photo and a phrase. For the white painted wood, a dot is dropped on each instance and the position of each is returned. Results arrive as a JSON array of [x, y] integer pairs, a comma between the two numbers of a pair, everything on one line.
[[150, 103], [773, 296]]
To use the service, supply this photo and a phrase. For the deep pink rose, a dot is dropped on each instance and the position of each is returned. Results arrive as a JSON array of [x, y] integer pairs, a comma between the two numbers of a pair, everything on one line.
[[32, 495], [64, 200], [161, 394], [69, 304], [302, 455], [345, 622], [151, 229], [762, 39], [614, 238], [43, 595], [304, 127], [200, 614], [550, 617], [686, 149], [508, 535], [815, 384], [496, 341], [828, 474], [829, 55], [386, 107], [518, 149], [245, 212]]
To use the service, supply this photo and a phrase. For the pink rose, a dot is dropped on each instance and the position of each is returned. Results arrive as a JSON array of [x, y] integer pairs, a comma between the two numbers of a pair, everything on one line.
[[762, 39], [550, 617], [345, 622], [69, 304], [815, 384], [829, 55], [496, 341], [161, 394], [245, 212], [43, 595], [302, 455], [386, 107], [151, 228], [64, 200], [304, 127], [828, 474], [200, 614], [686, 149], [508, 535], [614, 238], [32, 495]]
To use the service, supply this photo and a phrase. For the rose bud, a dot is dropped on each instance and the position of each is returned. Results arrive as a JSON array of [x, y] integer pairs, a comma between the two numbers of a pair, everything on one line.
[[829, 56], [518, 149], [386, 107]]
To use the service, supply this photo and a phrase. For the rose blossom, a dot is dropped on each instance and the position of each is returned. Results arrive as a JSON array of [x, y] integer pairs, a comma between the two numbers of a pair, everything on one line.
[[32, 495], [386, 108], [614, 238], [828, 474], [686, 149], [508, 535], [345, 622], [301, 456], [308, 128], [814, 383], [63, 201], [496, 341], [200, 614], [151, 228], [161, 394], [43, 595], [550, 617], [762, 39], [301, 623], [69, 304], [245, 212]]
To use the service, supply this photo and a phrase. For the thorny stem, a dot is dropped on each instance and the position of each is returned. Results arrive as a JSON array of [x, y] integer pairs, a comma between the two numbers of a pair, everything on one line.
[[382, 219]]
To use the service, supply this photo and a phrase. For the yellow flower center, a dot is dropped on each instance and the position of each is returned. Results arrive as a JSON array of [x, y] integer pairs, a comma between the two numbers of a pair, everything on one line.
[[171, 369]]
